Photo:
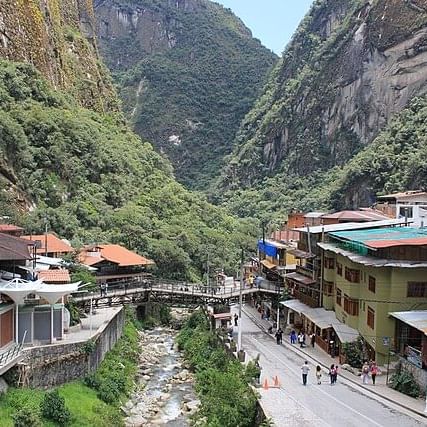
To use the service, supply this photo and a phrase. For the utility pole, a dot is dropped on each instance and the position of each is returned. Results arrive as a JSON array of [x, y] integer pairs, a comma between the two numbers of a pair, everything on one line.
[[240, 352], [45, 236]]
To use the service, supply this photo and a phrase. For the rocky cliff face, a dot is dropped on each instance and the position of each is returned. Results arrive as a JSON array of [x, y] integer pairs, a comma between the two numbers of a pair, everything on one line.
[[58, 38], [349, 69], [188, 71]]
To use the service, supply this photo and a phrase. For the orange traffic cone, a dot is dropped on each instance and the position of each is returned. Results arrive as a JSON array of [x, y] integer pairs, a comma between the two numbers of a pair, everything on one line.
[[265, 387], [276, 381]]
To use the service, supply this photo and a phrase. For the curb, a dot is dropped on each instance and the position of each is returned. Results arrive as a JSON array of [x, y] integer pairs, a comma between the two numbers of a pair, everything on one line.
[[351, 380]]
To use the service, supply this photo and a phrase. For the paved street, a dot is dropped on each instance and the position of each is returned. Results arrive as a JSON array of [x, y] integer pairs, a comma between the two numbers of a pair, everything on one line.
[[314, 405]]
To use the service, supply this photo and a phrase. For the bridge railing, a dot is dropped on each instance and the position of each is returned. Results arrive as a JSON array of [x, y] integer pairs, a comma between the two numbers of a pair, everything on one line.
[[128, 286]]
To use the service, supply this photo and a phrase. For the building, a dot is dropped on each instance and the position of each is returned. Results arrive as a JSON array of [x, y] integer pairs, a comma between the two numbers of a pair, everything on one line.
[[50, 245], [58, 276], [114, 262], [361, 215], [305, 282], [369, 273], [407, 204], [275, 259], [11, 229]]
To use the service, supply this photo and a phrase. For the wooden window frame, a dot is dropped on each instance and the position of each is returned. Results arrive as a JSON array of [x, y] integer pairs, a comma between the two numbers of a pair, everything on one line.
[[370, 318], [339, 268], [351, 306], [329, 263], [352, 275], [416, 290], [338, 297], [372, 284]]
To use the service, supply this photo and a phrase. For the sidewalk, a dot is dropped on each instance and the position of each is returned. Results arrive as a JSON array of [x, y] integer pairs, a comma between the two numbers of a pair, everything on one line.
[[325, 360]]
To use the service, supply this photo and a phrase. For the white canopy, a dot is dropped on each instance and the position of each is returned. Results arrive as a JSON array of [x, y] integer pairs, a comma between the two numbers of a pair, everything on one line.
[[18, 289], [52, 293]]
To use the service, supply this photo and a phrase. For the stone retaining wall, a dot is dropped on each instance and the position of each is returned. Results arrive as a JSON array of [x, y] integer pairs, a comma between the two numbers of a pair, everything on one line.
[[56, 364], [419, 374]]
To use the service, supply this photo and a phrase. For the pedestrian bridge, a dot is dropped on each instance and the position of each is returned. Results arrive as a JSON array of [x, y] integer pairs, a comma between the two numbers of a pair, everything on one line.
[[169, 292]]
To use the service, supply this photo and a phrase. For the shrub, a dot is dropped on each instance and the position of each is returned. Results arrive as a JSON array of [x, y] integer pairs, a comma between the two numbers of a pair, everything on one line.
[[404, 382], [109, 392], [53, 408], [26, 417], [354, 353], [92, 381], [88, 347]]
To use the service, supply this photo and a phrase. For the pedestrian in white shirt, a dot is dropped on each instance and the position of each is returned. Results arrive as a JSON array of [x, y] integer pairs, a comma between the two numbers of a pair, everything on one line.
[[305, 369]]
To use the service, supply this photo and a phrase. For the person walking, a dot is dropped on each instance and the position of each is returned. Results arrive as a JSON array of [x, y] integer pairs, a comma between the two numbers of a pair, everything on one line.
[[277, 335], [301, 339], [365, 373], [313, 339], [280, 332], [332, 372], [236, 319], [319, 374], [305, 370], [374, 372], [293, 337]]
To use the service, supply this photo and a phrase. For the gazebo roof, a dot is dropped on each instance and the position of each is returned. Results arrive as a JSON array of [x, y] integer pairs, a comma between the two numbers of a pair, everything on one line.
[[18, 289]]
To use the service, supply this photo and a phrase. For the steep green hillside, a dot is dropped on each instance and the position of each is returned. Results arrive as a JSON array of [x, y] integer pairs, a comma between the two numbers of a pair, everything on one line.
[[350, 67], [394, 161], [58, 38], [93, 180], [187, 71]]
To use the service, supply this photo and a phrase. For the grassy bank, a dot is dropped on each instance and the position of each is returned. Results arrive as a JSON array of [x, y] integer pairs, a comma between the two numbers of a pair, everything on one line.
[[94, 401], [221, 381]]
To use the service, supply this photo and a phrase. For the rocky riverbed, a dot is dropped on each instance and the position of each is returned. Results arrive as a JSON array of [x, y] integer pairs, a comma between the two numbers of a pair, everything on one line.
[[164, 393]]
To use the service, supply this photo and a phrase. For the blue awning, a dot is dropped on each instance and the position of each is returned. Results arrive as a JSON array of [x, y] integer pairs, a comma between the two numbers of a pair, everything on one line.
[[267, 248]]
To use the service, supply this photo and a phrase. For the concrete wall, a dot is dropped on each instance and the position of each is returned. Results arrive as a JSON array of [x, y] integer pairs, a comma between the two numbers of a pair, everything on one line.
[[56, 364]]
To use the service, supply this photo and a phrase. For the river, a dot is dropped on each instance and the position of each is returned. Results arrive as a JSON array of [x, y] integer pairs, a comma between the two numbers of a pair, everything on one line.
[[164, 394]]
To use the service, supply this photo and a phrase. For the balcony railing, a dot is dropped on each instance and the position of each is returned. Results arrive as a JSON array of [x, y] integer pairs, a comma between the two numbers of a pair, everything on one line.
[[307, 299], [305, 271]]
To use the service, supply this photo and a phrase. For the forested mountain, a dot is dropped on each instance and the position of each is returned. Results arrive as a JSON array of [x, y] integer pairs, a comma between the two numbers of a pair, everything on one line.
[[82, 170], [187, 72], [349, 69]]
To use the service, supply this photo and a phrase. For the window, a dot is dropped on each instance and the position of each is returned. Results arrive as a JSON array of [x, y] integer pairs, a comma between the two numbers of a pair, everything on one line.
[[372, 284], [338, 296], [406, 210], [329, 262], [352, 275], [371, 318], [417, 289], [351, 306], [339, 268], [328, 288]]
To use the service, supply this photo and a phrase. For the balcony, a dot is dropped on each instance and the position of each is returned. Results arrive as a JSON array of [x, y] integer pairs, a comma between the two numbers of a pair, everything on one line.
[[307, 299], [306, 271]]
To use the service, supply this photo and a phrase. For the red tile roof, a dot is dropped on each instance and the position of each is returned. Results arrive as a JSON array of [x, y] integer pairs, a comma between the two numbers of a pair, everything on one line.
[[113, 253], [54, 244], [4, 228], [55, 276]]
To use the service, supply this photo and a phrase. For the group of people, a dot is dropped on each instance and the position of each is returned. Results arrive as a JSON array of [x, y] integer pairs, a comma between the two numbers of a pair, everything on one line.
[[333, 373], [301, 338], [369, 370]]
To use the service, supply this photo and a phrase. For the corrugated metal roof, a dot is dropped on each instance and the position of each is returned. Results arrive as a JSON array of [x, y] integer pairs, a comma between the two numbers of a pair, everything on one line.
[[416, 318], [362, 215], [385, 237], [369, 260], [300, 278], [403, 194], [351, 226]]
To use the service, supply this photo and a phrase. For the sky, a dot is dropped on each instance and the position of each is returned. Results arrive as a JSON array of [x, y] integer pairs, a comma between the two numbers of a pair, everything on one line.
[[271, 21]]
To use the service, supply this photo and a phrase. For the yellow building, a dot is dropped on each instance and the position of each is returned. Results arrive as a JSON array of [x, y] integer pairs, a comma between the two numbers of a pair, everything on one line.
[[369, 273]]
